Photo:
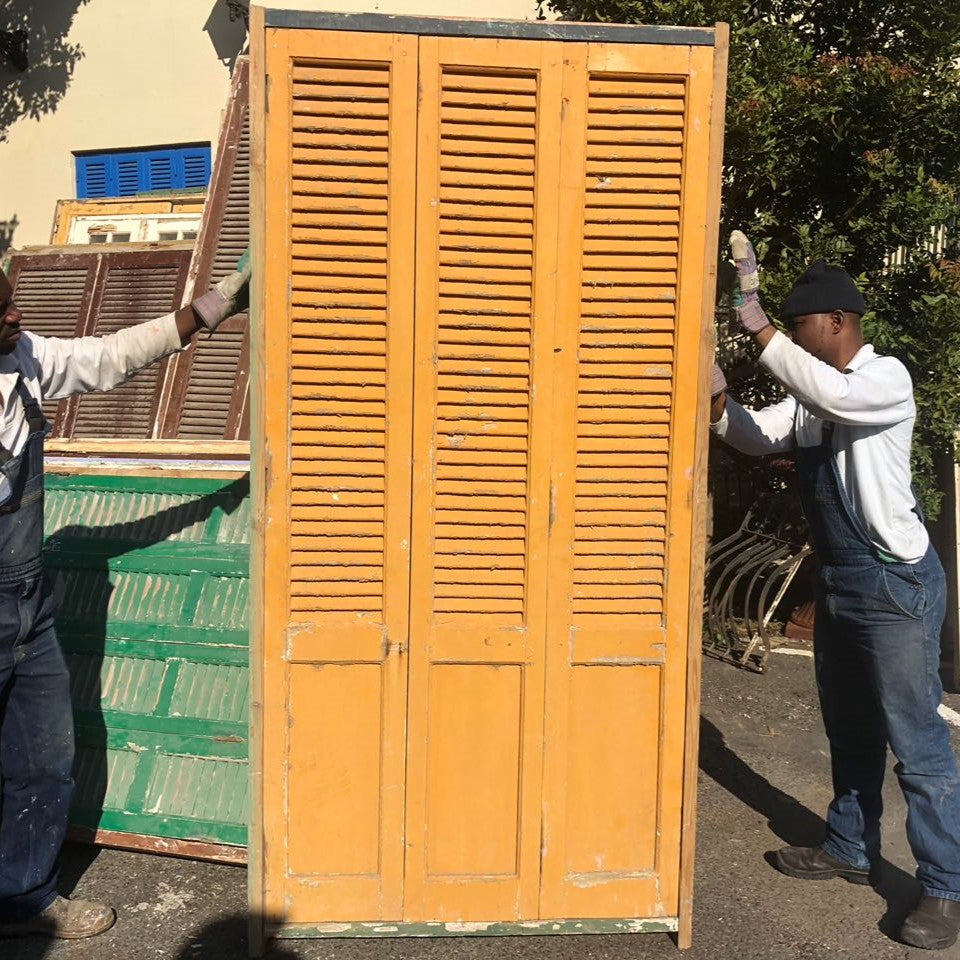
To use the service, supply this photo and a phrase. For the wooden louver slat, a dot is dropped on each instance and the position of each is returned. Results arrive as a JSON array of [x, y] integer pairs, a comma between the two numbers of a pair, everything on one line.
[[625, 357], [339, 342]]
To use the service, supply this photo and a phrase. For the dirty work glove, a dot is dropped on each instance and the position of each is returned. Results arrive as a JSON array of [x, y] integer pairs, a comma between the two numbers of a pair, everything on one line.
[[718, 382], [230, 296], [746, 298]]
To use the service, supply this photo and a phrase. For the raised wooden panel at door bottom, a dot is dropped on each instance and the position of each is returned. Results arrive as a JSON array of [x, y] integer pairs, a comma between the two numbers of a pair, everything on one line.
[[633, 151], [340, 400], [486, 239]]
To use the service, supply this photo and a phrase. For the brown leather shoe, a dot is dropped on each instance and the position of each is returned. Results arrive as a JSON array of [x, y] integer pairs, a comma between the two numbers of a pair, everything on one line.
[[811, 863], [65, 920], [933, 925]]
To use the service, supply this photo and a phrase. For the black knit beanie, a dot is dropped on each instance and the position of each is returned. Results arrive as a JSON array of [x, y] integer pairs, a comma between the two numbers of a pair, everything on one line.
[[823, 289]]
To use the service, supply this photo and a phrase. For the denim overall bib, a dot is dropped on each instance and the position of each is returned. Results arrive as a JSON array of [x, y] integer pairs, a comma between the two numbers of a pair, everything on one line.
[[36, 742], [877, 656]]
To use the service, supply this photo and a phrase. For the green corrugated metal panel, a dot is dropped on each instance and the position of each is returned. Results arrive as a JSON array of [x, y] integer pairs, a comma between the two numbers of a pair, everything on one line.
[[151, 578]]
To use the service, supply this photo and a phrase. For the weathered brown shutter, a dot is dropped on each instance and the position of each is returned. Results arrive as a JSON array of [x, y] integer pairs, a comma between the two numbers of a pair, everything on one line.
[[131, 288], [54, 294], [206, 396], [98, 291]]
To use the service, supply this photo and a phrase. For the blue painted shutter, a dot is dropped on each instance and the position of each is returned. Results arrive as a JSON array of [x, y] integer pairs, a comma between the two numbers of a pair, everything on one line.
[[160, 170], [128, 175], [91, 177], [125, 173], [196, 167]]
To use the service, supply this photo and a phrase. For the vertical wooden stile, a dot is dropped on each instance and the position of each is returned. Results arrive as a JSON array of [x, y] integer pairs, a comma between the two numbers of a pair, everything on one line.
[[486, 242], [699, 496], [338, 371], [256, 867]]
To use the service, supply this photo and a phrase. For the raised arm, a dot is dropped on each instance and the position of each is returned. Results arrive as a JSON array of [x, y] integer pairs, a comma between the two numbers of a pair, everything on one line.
[[66, 366]]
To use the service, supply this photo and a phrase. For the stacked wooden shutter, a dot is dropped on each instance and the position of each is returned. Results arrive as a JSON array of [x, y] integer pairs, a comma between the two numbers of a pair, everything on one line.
[[96, 291], [478, 415], [200, 394], [206, 397]]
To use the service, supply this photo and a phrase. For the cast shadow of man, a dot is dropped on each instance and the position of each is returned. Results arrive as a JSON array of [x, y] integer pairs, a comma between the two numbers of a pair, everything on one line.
[[226, 938], [85, 592], [793, 823]]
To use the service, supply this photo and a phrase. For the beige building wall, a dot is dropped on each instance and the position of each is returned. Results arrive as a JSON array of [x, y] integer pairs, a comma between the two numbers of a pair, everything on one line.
[[150, 75]]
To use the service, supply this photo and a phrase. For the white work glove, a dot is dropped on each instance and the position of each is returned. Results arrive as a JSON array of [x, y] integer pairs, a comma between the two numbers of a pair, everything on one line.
[[746, 299], [718, 382], [230, 296]]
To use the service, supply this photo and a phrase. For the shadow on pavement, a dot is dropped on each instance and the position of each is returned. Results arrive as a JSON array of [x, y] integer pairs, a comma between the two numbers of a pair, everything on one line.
[[226, 939], [222, 939], [793, 823]]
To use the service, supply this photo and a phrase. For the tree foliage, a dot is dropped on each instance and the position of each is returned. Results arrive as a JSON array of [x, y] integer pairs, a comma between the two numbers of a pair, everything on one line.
[[843, 142]]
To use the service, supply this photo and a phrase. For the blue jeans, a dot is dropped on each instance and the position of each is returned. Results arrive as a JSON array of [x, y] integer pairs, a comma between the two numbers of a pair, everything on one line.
[[36, 749], [877, 648]]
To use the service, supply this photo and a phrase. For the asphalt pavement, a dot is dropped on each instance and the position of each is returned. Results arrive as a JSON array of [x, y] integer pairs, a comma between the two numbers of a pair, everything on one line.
[[764, 782]]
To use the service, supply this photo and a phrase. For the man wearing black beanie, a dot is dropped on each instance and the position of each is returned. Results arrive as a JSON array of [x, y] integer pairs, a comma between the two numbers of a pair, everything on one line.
[[881, 596]]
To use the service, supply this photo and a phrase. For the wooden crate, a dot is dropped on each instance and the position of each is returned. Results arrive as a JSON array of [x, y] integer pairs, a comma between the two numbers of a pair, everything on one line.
[[482, 330]]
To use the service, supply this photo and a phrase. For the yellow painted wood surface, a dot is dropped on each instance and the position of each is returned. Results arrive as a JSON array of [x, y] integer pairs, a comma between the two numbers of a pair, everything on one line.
[[338, 370], [482, 268]]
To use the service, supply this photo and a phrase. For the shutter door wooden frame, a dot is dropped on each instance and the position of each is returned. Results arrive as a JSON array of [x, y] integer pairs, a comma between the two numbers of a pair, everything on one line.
[[227, 175], [314, 659], [634, 658], [480, 493], [273, 35], [98, 262]]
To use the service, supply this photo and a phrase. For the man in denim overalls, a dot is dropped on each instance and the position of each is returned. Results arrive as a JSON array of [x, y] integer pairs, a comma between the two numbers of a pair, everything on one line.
[[36, 722], [880, 595]]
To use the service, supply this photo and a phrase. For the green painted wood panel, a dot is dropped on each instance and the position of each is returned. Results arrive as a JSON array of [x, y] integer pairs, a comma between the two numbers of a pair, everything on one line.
[[151, 580]]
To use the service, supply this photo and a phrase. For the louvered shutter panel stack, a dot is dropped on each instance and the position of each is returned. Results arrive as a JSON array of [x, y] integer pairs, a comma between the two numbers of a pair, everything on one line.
[[479, 422], [95, 291], [208, 383], [54, 295], [134, 288]]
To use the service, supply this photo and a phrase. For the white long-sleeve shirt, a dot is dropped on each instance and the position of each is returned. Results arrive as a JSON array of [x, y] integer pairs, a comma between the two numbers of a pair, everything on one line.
[[871, 403], [53, 368]]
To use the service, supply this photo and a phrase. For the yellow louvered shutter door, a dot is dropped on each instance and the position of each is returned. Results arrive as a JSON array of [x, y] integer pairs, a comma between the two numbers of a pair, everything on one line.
[[634, 174], [340, 183], [486, 242]]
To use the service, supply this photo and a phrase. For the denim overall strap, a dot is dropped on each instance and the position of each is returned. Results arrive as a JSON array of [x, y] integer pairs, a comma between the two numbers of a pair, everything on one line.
[[21, 517], [836, 532]]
